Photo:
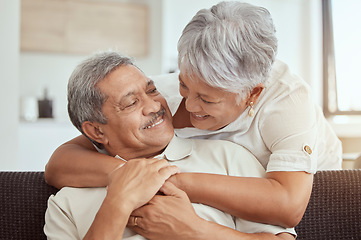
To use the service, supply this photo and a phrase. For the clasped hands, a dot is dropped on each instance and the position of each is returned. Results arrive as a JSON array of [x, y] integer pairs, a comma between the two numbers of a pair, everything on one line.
[[167, 216]]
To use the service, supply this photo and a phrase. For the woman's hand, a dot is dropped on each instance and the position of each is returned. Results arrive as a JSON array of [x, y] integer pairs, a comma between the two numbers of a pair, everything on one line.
[[167, 217]]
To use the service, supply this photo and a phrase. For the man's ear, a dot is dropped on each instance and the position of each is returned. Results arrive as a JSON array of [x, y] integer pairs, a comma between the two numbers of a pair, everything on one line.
[[256, 92], [94, 131]]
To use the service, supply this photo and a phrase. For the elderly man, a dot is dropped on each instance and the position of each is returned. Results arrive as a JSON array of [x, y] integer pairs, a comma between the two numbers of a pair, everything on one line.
[[120, 110]]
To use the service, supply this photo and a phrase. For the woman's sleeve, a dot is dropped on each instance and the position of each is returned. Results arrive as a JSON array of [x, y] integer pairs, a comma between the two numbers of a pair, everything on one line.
[[289, 130]]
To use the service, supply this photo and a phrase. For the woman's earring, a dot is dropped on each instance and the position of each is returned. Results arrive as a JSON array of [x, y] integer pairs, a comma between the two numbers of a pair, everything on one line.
[[251, 110]]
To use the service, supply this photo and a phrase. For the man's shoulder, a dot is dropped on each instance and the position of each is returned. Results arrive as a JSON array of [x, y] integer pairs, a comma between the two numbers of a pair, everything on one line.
[[69, 190], [204, 146], [74, 209], [229, 150], [218, 144], [74, 195], [212, 144], [237, 159]]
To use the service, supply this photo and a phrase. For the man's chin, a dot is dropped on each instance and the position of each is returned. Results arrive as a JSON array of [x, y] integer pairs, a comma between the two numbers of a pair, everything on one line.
[[163, 138]]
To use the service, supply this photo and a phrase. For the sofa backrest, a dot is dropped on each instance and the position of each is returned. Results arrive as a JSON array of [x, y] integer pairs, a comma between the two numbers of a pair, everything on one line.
[[23, 202], [333, 213], [334, 210]]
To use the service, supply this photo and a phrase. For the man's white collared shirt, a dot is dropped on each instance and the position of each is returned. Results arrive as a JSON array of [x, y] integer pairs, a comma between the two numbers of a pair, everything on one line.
[[72, 210]]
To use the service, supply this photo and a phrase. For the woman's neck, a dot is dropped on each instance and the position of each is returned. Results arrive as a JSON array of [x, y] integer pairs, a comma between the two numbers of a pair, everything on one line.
[[181, 118]]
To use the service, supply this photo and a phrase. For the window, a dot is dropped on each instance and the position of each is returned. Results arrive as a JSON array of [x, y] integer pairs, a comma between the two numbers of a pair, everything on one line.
[[342, 57]]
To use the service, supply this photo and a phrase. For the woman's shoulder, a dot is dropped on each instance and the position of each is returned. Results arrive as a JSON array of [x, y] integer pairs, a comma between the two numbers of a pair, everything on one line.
[[282, 75], [283, 83]]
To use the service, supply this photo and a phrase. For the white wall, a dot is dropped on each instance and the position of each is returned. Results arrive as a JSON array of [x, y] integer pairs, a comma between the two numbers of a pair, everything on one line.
[[298, 24], [178, 13], [9, 57]]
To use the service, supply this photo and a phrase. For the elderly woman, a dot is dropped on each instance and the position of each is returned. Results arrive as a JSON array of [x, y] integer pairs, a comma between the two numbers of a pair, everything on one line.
[[231, 88]]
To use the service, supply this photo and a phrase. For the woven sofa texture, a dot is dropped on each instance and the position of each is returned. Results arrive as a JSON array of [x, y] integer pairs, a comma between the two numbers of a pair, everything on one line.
[[334, 210]]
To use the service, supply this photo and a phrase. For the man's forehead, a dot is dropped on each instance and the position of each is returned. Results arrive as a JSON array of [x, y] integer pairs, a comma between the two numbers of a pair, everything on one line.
[[124, 81], [143, 83], [133, 89]]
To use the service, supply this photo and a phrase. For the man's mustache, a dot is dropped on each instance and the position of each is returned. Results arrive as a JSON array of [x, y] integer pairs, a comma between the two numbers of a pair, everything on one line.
[[155, 116]]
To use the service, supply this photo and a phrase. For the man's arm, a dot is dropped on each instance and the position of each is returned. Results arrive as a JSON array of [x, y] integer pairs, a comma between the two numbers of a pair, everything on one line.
[[130, 186], [279, 199], [78, 164], [172, 217], [110, 221]]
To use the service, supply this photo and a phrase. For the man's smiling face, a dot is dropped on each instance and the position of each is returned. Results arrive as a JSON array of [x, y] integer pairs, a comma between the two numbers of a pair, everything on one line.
[[139, 123]]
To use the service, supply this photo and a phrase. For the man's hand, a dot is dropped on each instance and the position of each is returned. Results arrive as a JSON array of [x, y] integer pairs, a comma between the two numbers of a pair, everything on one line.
[[131, 185], [167, 217], [138, 180]]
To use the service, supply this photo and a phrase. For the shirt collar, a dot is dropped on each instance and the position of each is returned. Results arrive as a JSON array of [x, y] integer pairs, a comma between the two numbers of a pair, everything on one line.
[[241, 124], [177, 149]]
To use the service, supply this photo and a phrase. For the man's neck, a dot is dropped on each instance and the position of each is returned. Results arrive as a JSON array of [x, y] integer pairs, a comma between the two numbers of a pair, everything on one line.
[[128, 155]]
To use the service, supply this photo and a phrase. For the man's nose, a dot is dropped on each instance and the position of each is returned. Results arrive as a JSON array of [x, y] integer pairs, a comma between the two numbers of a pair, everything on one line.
[[151, 106]]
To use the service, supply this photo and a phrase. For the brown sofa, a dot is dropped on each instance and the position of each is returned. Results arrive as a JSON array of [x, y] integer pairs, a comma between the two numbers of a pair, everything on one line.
[[334, 210]]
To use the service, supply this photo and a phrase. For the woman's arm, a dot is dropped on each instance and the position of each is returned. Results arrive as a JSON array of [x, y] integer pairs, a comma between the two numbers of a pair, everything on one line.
[[77, 164], [279, 199], [172, 217]]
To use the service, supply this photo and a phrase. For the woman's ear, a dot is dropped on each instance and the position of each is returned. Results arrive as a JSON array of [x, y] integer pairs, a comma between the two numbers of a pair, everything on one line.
[[94, 131], [255, 93]]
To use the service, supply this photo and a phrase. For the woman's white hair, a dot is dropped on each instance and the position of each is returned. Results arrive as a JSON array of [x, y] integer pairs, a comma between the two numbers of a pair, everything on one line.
[[231, 46]]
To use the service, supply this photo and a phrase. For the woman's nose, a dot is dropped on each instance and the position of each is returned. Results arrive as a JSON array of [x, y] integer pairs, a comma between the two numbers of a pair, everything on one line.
[[192, 104]]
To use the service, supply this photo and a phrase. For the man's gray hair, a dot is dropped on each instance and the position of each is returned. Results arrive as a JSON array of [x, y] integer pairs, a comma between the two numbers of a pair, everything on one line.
[[231, 46], [85, 100]]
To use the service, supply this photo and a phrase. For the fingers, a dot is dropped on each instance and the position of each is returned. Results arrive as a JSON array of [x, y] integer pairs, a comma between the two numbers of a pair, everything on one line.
[[159, 166], [170, 189], [168, 171], [134, 221], [165, 170], [162, 165], [138, 180], [135, 224]]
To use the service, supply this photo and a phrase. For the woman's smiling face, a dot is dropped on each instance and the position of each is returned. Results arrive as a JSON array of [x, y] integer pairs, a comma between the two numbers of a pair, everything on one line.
[[210, 108]]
